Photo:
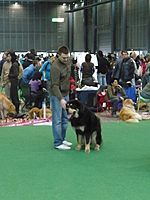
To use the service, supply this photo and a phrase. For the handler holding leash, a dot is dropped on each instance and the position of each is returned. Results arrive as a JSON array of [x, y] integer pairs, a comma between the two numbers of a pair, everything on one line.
[[59, 92]]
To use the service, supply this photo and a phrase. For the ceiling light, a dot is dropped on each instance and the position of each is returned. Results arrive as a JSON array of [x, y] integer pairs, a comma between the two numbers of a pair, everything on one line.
[[57, 19]]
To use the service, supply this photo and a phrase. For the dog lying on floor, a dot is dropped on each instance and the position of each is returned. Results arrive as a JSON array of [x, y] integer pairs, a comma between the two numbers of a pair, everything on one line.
[[86, 124], [39, 113], [34, 112], [128, 113], [48, 113], [6, 106]]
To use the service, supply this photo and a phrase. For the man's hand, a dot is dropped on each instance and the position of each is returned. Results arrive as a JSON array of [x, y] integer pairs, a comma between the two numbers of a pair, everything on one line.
[[63, 104], [77, 65], [119, 86], [122, 98]]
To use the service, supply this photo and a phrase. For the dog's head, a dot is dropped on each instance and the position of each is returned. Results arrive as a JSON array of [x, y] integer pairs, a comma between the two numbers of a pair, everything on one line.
[[74, 108], [12, 109], [32, 111], [128, 103]]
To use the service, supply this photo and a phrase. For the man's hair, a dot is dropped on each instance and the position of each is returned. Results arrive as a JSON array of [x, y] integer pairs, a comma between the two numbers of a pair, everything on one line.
[[35, 62], [88, 57], [112, 79], [30, 56], [124, 52], [63, 49], [100, 53]]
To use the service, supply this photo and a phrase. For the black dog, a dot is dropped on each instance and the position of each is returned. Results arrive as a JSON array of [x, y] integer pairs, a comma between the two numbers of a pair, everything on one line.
[[86, 125]]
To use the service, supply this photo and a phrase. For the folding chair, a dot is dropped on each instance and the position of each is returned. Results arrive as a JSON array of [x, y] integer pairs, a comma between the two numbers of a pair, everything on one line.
[[25, 95], [102, 103], [142, 99]]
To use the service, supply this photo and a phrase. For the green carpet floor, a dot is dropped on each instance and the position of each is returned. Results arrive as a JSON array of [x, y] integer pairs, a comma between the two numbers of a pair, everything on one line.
[[31, 169]]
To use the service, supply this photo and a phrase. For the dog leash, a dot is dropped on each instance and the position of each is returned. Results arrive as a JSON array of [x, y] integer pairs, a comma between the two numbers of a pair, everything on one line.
[[75, 75]]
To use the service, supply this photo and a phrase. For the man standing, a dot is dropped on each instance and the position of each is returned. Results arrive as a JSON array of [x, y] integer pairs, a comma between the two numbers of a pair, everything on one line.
[[102, 68], [45, 69], [5, 82], [117, 67], [2, 62], [127, 69], [59, 91]]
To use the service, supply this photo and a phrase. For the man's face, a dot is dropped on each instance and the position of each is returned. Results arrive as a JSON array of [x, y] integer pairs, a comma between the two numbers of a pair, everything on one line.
[[125, 55], [38, 65], [63, 58]]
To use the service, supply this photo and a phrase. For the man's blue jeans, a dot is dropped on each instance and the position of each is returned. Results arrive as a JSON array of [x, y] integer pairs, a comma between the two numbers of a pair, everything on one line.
[[59, 120], [115, 102], [146, 96], [101, 78]]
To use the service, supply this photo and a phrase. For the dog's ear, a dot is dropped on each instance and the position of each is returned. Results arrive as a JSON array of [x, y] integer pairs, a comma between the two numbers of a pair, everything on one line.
[[132, 102], [12, 109], [81, 106]]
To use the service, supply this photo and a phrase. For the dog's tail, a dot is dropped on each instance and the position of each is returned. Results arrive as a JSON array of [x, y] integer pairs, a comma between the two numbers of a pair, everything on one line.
[[132, 121]]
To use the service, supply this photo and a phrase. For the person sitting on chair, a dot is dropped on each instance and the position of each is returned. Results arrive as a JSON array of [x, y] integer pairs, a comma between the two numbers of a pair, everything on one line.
[[37, 89], [146, 78], [115, 94], [146, 91]]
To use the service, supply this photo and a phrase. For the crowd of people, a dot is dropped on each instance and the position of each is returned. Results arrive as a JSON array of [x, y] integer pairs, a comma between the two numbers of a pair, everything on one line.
[[50, 78]]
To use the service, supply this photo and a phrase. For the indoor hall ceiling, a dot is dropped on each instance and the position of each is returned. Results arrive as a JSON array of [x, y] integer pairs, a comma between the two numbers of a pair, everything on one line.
[[55, 1]]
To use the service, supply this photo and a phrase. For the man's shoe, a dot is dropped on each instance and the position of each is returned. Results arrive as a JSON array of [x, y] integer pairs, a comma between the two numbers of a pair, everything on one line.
[[63, 147], [67, 143], [114, 116]]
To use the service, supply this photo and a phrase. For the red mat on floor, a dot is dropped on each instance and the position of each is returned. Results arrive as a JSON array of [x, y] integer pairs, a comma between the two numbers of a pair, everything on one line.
[[21, 122]]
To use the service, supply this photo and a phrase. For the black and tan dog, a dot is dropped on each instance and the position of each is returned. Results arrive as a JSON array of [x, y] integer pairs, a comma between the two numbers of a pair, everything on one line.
[[86, 124]]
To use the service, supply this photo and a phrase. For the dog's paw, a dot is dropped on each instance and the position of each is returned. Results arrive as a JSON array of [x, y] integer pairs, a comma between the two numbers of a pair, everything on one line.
[[87, 150], [78, 148], [96, 147]]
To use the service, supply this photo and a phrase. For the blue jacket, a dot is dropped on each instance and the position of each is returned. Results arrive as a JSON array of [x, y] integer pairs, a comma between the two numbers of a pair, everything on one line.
[[45, 69], [29, 73]]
